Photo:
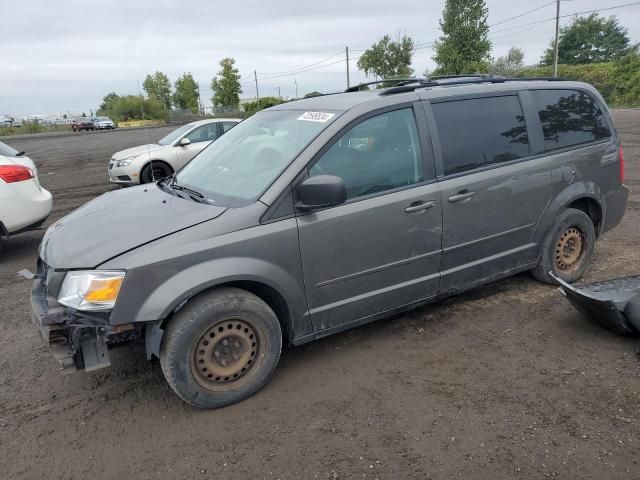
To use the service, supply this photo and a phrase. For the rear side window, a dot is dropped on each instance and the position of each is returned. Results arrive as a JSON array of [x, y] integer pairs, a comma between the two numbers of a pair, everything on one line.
[[481, 131], [569, 117]]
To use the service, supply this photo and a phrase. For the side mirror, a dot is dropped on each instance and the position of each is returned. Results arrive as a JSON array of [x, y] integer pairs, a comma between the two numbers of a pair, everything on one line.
[[184, 141], [320, 191]]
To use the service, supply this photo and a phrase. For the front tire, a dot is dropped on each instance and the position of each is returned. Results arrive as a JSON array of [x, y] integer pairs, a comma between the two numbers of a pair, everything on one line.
[[568, 248], [160, 170], [221, 348]]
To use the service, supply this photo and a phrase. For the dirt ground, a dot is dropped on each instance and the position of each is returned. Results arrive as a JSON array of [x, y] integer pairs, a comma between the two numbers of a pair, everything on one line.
[[506, 381]]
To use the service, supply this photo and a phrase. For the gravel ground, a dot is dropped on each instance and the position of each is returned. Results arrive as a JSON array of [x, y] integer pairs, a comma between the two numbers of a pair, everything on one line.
[[505, 381]]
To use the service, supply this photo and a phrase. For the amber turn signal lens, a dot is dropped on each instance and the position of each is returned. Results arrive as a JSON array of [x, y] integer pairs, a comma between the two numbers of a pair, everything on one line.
[[103, 290]]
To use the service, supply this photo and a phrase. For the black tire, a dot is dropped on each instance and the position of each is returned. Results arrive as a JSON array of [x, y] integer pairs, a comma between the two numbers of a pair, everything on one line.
[[237, 317], [571, 224], [160, 170]]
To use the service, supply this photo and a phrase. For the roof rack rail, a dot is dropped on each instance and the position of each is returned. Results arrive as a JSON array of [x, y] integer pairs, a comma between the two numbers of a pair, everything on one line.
[[395, 81], [409, 84], [463, 75]]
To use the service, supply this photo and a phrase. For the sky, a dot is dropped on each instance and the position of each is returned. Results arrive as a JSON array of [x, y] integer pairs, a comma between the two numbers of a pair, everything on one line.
[[64, 56]]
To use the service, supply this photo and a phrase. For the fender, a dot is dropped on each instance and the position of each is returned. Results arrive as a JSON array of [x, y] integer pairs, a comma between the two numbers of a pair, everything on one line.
[[171, 295], [560, 201]]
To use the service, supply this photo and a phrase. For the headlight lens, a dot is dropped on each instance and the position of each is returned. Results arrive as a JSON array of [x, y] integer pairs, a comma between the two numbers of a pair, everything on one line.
[[91, 290], [124, 162]]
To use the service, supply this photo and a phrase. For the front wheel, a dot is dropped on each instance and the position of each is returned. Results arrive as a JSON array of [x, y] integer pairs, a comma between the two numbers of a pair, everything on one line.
[[568, 248], [159, 170], [220, 348]]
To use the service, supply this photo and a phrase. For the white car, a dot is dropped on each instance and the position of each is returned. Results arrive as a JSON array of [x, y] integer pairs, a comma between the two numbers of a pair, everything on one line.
[[151, 162], [24, 204], [104, 123]]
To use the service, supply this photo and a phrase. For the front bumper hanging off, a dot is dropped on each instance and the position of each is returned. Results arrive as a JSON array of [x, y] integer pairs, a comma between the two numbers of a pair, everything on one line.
[[77, 340], [614, 304]]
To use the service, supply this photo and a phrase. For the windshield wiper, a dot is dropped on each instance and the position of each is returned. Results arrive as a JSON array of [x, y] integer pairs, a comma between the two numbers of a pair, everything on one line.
[[194, 194]]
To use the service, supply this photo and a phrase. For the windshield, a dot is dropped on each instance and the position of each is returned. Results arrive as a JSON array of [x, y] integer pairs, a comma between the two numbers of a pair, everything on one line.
[[175, 135], [243, 162], [7, 151]]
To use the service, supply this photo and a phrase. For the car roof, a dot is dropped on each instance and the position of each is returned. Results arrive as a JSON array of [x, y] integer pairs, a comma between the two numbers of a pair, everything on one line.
[[333, 101], [447, 88]]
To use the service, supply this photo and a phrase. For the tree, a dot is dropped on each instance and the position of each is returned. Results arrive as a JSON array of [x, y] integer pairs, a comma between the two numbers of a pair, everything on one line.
[[464, 45], [250, 108], [510, 64], [226, 86], [627, 80], [592, 39], [132, 107], [185, 96], [108, 101], [388, 58], [159, 86]]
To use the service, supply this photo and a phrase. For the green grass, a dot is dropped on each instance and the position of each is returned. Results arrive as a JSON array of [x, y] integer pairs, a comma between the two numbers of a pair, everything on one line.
[[33, 127]]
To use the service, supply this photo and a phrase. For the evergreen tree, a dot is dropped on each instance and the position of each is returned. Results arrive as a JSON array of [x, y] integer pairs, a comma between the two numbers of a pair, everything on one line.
[[226, 86], [464, 45]]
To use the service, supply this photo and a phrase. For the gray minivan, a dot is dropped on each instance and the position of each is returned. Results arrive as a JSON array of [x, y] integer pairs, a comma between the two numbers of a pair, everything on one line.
[[325, 213]]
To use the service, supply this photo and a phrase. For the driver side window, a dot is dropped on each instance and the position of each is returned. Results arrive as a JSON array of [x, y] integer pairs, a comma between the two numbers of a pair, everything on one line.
[[380, 153], [204, 133]]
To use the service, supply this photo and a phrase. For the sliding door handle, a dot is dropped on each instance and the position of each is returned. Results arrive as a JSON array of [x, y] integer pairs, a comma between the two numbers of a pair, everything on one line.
[[419, 207], [461, 197]]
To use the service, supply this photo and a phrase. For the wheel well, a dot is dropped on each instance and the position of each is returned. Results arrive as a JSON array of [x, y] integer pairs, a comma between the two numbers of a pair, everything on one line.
[[592, 208], [267, 294], [271, 297]]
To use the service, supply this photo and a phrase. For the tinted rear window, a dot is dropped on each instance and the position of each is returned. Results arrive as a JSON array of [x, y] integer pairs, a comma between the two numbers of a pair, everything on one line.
[[569, 117], [480, 131]]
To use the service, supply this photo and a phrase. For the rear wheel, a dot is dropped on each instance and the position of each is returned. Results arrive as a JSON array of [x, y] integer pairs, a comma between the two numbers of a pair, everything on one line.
[[568, 248], [221, 348], [159, 170]]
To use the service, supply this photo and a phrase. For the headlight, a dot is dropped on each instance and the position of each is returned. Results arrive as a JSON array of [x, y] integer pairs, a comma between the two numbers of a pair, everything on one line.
[[91, 290], [124, 162]]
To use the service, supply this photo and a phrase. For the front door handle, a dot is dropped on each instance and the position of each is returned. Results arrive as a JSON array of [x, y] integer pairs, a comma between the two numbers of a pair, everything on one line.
[[461, 197], [419, 207]]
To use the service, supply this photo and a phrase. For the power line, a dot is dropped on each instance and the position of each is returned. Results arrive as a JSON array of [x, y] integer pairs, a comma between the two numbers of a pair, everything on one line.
[[522, 14], [302, 68], [567, 15]]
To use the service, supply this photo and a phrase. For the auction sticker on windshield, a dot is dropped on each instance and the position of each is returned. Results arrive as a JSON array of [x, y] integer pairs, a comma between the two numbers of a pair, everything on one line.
[[316, 116]]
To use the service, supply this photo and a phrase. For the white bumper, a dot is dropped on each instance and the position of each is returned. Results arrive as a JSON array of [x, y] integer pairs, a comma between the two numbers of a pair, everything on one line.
[[23, 204]]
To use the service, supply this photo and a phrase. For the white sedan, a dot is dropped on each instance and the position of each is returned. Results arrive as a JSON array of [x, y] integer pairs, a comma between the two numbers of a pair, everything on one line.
[[24, 204], [154, 161]]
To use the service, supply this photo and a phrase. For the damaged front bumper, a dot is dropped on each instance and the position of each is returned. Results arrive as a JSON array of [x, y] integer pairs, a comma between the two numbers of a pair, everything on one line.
[[77, 340], [613, 304]]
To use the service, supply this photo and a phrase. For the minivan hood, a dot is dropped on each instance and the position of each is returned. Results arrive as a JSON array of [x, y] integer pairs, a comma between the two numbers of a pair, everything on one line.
[[117, 222], [134, 151]]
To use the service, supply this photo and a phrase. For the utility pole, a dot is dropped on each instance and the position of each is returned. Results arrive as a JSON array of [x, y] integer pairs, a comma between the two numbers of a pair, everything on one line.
[[279, 96], [200, 109], [555, 59], [346, 51], [255, 75], [296, 83]]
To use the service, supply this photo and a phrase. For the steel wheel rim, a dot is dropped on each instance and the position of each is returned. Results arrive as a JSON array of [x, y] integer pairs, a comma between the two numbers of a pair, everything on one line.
[[570, 249], [226, 354]]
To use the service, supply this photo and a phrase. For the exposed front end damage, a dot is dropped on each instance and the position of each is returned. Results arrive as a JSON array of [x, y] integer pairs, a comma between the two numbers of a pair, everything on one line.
[[614, 304], [79, 341]]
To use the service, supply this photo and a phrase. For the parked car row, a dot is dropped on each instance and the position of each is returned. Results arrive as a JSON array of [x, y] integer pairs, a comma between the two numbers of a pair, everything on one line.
[[98, 123], [325, 213]]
